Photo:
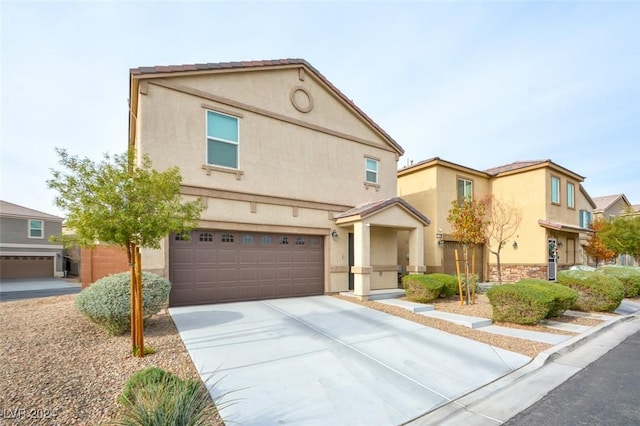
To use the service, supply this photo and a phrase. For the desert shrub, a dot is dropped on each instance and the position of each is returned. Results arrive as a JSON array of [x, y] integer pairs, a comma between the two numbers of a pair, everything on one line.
[[519, 303], [596, 291], [449, 283], [422, 288], [107, 302], [629, 276], [472, 288], [154, 397], [563, 297]]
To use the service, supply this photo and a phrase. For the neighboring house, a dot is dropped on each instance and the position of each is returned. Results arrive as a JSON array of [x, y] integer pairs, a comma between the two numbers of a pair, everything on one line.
[[550, 198], [25, 250], [299, 184], [610, 206]]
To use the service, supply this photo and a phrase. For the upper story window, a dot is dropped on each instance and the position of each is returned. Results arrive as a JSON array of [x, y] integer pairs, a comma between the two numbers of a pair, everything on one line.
[[555, 190], [222, 140], [571, 199], [371, 170], [465, 190], [585, 218], [36, 228]]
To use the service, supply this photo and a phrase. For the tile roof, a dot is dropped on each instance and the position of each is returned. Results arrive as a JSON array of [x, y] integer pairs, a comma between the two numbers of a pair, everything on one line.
[[606, 201], [514, 166], [563, 226], [142, 71], [367, 209], [10, 209]]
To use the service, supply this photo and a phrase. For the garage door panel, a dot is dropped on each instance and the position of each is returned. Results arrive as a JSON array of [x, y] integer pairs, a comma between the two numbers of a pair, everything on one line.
[[26, 266], [248, 257], [203, 256], [247, 275], [227, 256], [237, 266]]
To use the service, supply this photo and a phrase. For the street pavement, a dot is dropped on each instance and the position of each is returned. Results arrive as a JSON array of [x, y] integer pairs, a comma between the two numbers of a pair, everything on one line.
[[502, 400], [29, 288], [603, 393]]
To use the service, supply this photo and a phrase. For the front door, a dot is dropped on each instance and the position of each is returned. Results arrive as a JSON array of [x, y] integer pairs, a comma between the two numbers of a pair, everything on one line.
[[351, 261], [552, 264]]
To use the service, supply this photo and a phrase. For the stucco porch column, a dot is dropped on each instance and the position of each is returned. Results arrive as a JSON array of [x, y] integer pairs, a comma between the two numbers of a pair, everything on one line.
[[361, 268], [416, 251]]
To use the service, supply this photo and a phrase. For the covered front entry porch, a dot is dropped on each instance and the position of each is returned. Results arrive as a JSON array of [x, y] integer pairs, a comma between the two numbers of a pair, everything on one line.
[[372, 230]]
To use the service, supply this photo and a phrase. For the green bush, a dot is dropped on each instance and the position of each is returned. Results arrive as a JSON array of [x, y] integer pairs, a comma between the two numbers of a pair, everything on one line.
[[564, 298], [449, 283], [630, 278], [520, 303], [107, 302], [596, 291], [154, 397], [422, 288]]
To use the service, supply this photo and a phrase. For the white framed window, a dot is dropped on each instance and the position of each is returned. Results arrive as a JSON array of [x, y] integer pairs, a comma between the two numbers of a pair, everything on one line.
[[585, 218], [555, 190], [36, 228], [571, 199], [465, 190], [371, 170], [222, 140]]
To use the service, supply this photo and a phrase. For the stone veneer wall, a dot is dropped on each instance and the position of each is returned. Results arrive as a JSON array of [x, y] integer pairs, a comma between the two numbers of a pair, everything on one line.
[[512, 272]]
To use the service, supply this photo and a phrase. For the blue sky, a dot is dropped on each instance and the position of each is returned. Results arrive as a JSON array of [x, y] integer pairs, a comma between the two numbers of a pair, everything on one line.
[[477, 83]]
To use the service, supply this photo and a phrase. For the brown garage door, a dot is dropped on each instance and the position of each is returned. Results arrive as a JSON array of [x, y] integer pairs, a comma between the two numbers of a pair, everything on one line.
[[230, 266], [450, 258], [26, 266]]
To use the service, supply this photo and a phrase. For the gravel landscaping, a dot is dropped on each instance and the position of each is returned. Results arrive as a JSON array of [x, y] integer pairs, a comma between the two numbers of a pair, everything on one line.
[[59, 369]]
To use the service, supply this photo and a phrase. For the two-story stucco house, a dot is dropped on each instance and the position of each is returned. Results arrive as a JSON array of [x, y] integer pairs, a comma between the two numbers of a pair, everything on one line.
[[299, 184], [550, 198], [25, 250]]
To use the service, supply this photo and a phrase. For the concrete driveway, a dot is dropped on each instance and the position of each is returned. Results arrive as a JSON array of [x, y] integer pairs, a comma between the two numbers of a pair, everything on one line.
[[28, 288], [322, 360]]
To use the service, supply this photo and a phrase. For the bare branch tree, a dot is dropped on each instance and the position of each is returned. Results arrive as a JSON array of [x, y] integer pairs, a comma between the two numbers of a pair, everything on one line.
[[501, 224]]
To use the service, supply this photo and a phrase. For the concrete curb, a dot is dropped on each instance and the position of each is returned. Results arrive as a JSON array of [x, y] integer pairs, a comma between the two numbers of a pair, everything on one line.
[[557, 351]]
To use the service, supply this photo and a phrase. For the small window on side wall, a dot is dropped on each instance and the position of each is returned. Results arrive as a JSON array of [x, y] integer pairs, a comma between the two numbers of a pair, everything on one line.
[[371, 170], [36, 229]]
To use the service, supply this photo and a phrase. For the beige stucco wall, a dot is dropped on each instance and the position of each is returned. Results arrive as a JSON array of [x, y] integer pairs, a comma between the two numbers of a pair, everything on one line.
[[297, 168], [525, 192], [431, 190], [277, 158]]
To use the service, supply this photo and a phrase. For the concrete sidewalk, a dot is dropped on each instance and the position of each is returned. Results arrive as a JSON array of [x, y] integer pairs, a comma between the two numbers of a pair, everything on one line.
[[322, 360]]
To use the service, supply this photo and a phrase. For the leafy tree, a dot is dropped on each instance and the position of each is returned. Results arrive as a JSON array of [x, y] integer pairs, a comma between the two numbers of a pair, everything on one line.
[[502, 222], [595, 247], [468, 221], [622, 235], [116, 202]]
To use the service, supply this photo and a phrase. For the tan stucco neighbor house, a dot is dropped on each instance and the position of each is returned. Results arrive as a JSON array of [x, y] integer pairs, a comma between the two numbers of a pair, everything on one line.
[[550, 197], [610, 206], [299, 184]]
